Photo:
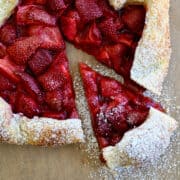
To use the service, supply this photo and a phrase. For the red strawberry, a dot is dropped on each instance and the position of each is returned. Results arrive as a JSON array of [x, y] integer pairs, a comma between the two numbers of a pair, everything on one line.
[[27, 106], [7, 34], [6, 84], [118, 121], [54, 78], [103, 142], [30, 85], [8, 69], [57, 6], [50, 37], [134, 17], [126, 38], [40, 61], [2, 50], [110, 27], [109, 87], [69, 24], [54, 99], [91, 89], [103, 128], [113, 55], [91, 36], [88, 9], [22, 49], [34, 15]]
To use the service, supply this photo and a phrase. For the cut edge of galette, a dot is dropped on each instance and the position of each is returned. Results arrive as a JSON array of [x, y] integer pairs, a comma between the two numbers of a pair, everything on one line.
[[151, 60], [130, 128]]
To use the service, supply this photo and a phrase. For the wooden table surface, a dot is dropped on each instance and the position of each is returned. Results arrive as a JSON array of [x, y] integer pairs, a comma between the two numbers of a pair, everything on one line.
[[67, 163]]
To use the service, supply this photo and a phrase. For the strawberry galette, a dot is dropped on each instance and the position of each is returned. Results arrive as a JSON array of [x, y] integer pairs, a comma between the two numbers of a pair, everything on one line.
[[130, 128], [37, 104], [35, 81], [134, 41]]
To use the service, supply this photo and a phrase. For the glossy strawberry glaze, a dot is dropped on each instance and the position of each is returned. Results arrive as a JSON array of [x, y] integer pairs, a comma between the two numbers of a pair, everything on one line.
[[114, 108], [34, 73], [111, 36]]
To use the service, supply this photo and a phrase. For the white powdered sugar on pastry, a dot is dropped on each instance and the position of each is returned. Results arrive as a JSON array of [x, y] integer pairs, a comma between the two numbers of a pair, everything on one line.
[[153, 52], [142, 144], [6, 9], [18, 129]]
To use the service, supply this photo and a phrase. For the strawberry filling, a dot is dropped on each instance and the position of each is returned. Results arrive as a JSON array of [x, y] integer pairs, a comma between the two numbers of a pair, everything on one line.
[[114, 108], [111, 36], [34, 73]]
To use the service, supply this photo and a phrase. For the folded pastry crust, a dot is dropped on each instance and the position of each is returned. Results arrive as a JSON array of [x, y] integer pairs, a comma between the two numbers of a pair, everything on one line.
[[18, 129], [153, 52], [142, 144], [6, 9]]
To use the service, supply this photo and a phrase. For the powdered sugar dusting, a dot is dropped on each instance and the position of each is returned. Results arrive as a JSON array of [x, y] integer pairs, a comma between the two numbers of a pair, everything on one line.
[[167, 164]]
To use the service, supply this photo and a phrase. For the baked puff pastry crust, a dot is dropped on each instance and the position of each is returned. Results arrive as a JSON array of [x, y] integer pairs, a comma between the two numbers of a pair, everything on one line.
[[153, 52], [142, 144], [18, 129]]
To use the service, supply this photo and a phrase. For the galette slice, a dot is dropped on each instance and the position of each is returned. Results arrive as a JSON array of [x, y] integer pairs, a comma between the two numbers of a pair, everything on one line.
[[130, 128], [37, 100], [133, 39]]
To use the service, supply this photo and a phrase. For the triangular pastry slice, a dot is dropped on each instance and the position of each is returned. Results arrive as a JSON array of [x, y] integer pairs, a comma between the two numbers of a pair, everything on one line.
[[131, 129]]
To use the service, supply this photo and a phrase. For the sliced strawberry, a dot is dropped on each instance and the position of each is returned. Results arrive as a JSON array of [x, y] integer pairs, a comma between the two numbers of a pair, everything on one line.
[[103, 142], [27, 106], [103, 128], [54, 78], [91, 36], [88, 9], [68, 100], [113, 55], [6, 84], [30, 85], [109, 87], [8, 69], [55, 100], [2, 51], [22, 49], [34, 15], [69, 24], [50, 37], [7, 34], [89, 78], [126, 38], [40, 61], [134, 18], [57, 6], [110, 27]]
